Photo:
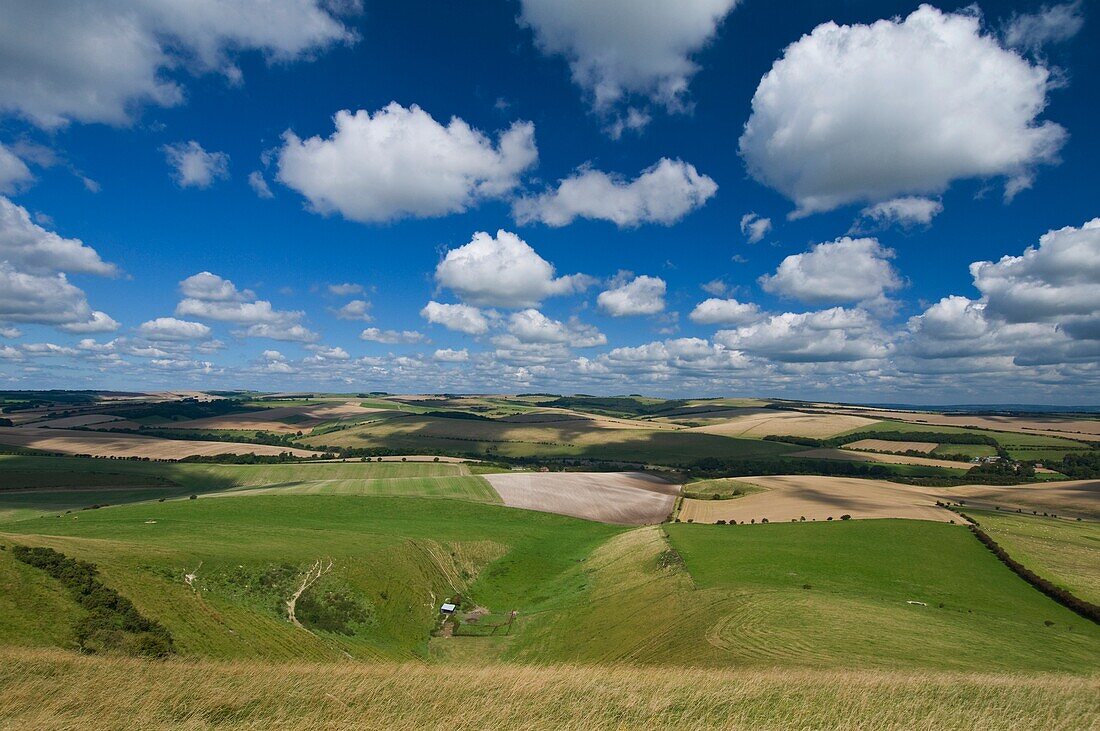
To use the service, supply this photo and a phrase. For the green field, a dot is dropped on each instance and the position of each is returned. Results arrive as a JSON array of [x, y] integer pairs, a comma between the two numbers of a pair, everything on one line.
[[970, 450], [724, 488], [69, 483], [1064, 552]]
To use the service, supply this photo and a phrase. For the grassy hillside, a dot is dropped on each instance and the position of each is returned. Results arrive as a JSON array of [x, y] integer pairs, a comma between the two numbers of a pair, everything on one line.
[[51, 689], [1064, 552], [404, 555], [807, 595], [838, 593]]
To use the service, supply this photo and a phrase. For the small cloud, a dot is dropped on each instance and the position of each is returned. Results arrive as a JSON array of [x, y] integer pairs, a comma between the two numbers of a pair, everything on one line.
[[755, 227]]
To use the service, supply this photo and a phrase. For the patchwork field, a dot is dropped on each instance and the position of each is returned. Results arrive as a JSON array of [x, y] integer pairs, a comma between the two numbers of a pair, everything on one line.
[[581, 438], [786, 498], [632, 498], [282, 419], [102, 444]]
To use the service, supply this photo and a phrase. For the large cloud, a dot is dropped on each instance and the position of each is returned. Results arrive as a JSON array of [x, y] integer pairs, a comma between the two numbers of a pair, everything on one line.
[[33, 284], [836, 334], [871, 112], [618, 48], [1057, 282], [845, 270], [27, 245], [400, 162], [663, 193], [503, 271], [642, 295], [47, 299], [97, 61]]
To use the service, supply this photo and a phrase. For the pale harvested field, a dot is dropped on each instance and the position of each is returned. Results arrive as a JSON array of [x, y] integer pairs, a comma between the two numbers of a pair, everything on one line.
[[818, 498], [1088, 429], [67, 422], [105, 444], [883, 445], [269, 419], [57, 690], [853, 456], [632, 498], [786, 423], [1077, 498]]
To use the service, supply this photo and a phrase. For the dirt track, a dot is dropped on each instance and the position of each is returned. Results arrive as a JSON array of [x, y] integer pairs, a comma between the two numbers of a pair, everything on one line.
[[105, 444], [631, 498]]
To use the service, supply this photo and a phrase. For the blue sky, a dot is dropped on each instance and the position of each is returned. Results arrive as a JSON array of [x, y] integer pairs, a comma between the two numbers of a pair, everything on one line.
[[697, 198]]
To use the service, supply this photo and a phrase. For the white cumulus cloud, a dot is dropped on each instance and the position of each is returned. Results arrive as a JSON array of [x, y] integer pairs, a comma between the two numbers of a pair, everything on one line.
[[845, 270], [460, 318], [447, 355], [836, 334], [98, 62], [642, 295], [619, 48], [171, 328], [715, 311], [503, 271], [871, 112], [25, 244], [531, 326], [377, 335], [400, 162], [663, 193]]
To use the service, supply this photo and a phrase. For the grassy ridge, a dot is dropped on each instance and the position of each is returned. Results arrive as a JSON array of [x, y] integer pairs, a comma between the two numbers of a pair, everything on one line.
[[51, 689], [397, 552]]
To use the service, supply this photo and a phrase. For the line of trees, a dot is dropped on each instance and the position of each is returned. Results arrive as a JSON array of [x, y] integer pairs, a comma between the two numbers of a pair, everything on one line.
[[1086, 609], [111, 622]]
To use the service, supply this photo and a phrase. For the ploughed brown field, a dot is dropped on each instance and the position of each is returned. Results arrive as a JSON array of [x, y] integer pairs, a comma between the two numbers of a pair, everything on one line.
[[105, 444], [631, 498]]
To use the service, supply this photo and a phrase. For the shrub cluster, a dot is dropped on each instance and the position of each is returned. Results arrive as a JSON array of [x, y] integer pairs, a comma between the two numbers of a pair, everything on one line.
[[112, 623]]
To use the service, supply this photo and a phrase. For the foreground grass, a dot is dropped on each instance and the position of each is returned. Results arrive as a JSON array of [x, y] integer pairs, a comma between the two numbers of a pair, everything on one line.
[[1064, 552], [53, 689]]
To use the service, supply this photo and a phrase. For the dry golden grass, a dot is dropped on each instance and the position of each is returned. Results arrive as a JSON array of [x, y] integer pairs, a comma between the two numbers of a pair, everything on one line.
[[786, 423], [56, 690]]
